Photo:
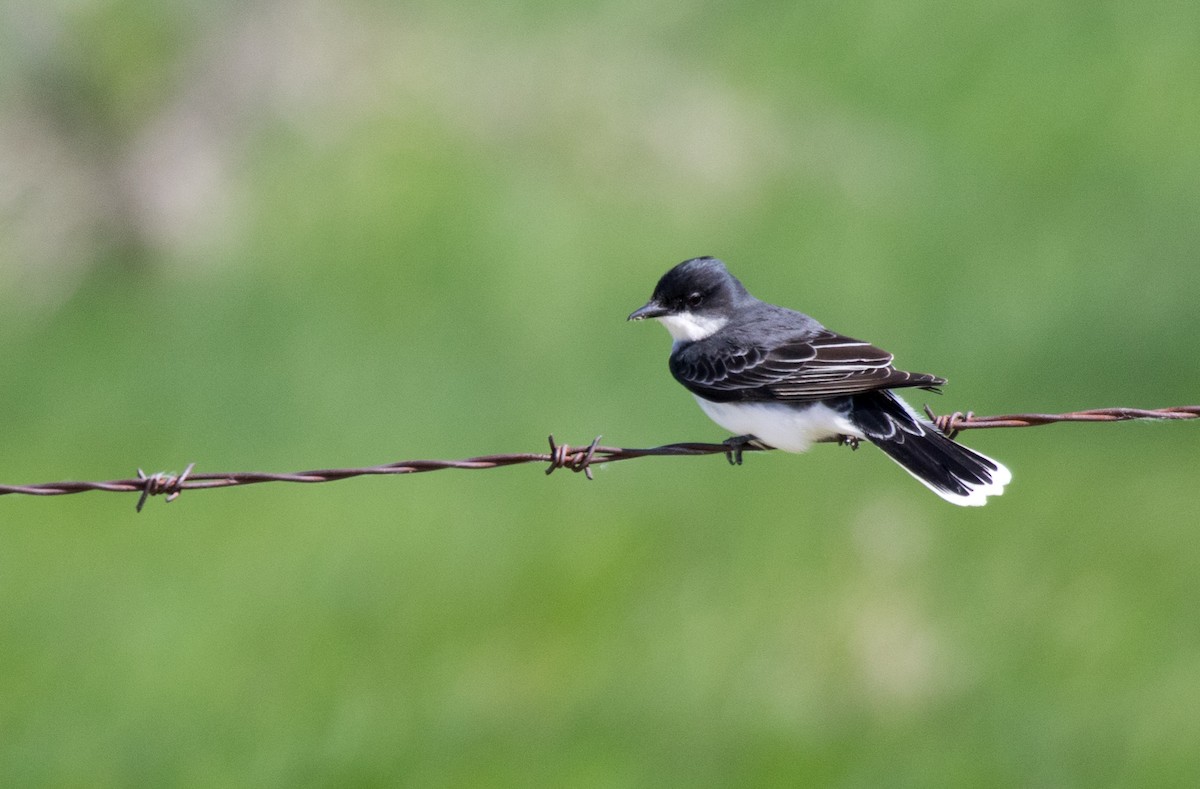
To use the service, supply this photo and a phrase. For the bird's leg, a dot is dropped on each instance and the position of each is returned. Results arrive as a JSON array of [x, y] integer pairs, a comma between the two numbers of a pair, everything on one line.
[[735, 445], [848, 441]]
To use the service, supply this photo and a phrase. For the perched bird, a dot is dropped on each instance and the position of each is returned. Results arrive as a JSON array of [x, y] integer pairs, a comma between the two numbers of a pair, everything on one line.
[[777, 378]]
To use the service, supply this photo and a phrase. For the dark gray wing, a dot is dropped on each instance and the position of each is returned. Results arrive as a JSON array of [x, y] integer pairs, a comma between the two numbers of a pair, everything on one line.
[[807, 368]]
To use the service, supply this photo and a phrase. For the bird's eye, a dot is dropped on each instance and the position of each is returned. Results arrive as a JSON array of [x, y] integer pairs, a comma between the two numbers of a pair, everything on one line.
[[695, 299]]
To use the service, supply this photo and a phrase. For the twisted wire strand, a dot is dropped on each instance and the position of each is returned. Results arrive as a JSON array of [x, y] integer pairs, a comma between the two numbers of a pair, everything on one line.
[[560, 456]]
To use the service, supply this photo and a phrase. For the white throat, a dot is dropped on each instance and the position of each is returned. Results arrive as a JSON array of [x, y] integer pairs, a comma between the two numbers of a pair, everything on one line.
[[688, 327]]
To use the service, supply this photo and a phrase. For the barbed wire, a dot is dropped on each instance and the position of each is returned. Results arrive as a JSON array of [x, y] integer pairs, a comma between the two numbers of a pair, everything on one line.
[[560, 456], [952, 423]]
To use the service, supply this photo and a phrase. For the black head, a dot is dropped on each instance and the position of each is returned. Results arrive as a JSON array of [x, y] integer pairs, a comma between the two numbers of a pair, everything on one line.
[[694, 299], [700, 286]]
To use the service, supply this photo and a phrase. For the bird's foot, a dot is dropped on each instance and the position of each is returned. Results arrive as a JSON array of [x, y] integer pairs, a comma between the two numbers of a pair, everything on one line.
[[848, 441], [735, 445]]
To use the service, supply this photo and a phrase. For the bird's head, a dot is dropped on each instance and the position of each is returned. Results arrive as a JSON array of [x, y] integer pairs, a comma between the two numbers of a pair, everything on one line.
[[694, 299]]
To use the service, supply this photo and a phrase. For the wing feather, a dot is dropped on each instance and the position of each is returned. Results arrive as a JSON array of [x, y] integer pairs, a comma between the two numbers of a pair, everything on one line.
[[814, 367]]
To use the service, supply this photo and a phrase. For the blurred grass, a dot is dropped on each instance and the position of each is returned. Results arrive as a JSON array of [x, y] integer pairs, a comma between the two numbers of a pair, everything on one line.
[[418, 231]]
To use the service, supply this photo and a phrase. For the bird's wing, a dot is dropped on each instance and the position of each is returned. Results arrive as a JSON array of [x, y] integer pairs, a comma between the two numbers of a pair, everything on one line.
[[806, 368]]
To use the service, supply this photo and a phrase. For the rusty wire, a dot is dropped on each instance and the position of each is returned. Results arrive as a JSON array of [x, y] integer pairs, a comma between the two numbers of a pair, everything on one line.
[[952, 423], [574, 458]]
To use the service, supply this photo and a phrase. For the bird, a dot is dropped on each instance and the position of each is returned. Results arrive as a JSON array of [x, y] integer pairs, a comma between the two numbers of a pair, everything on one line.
[[777, 378]]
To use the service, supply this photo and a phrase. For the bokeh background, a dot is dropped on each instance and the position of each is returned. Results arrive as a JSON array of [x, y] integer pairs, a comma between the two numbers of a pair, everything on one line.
[[282, 235]]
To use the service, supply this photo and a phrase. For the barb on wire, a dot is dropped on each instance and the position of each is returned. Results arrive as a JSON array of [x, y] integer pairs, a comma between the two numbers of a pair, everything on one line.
[[157, 484], [560, 456]]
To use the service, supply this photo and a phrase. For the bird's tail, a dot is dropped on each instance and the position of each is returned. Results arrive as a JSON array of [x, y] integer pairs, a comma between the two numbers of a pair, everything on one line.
[[959, 475]]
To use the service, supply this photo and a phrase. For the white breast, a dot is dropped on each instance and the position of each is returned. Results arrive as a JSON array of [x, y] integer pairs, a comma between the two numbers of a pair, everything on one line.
[[790, 427]]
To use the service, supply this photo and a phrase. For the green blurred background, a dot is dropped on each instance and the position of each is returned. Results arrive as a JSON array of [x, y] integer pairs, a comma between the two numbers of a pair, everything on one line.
[[286, 235]]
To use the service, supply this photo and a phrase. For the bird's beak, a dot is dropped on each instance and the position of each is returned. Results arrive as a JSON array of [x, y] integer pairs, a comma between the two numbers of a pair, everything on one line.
[[652, 310]]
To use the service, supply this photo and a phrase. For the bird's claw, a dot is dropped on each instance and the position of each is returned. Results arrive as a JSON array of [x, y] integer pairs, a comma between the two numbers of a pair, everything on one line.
[[734, 447], [848, 441]]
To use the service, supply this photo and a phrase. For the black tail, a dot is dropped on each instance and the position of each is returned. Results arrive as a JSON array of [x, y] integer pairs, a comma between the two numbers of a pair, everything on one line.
[[959, 475]]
